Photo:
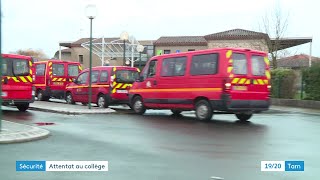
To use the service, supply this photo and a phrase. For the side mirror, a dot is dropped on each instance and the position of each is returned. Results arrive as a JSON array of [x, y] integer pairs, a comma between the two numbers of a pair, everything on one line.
[[141, 79]]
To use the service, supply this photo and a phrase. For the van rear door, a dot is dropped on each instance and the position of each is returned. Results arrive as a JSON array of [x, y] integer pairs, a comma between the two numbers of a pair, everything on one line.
[[240, 80], [260, 77], [73, 72], [58, 76]]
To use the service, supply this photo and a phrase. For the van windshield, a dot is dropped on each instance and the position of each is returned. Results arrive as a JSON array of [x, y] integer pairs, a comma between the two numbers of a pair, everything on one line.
[[126, 76]]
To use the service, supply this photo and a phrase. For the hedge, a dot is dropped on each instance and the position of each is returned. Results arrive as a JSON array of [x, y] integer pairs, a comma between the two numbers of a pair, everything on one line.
[[311, 79], [283, 83]]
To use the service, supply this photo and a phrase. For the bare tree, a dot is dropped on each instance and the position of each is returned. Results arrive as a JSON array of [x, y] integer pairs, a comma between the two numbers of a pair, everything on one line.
[[37, 54], [275, 25]]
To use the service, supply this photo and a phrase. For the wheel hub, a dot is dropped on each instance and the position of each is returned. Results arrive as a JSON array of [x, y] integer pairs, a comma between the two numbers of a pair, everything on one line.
[[202, 111]]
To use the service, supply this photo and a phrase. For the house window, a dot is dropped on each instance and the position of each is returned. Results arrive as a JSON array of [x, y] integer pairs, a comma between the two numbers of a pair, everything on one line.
[[191, 49], [166, 52], [81, 59]]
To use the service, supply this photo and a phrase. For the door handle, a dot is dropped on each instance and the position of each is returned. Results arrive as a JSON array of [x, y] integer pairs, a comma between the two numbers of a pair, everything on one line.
[[154, 82]]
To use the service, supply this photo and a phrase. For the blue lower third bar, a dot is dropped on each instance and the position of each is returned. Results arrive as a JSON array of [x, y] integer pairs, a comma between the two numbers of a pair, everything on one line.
[[294, 165], [30, 165]]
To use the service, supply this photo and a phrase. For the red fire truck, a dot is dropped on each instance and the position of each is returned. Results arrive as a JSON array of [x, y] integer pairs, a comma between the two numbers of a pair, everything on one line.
[[17, 87], [224, 80]]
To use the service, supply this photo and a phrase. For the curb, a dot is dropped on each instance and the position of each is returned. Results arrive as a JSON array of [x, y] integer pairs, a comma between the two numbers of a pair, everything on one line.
[[34, 133], [69, 112]]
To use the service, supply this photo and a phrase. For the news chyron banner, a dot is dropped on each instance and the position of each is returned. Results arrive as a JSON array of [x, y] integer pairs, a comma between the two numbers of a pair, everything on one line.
[[282, 165], [61, 165]]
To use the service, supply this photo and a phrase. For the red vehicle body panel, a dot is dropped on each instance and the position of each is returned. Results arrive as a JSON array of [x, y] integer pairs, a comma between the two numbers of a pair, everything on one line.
[[51, 84], [226, 89], [17, 87], [102, 84]]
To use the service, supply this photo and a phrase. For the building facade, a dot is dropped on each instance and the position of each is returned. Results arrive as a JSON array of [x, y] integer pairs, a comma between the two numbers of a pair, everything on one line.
[[168, 44]]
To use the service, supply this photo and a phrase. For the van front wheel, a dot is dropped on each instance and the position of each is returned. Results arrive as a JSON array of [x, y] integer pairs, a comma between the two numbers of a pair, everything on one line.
[[137, 105], [204, 111], [244, 116], [69, 98]]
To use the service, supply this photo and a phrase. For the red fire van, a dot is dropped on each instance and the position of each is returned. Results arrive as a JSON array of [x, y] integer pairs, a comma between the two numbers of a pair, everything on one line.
[[17, 88], [52, 76], [110, 85], [224, 80]]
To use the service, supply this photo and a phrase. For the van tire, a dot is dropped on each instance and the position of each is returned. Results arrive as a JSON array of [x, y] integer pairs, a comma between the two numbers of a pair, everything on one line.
[[102, 101], [137, 105], [69, 98], [204, 111], [244, 116], [23, 107], [176, 112]]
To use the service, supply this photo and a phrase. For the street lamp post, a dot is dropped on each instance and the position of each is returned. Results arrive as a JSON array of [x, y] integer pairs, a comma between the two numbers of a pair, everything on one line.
[[140, 48], [124, 36], [91, 13]]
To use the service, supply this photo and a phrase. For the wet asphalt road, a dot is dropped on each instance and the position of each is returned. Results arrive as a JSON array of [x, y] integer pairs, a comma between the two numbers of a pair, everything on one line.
[[161, 146]]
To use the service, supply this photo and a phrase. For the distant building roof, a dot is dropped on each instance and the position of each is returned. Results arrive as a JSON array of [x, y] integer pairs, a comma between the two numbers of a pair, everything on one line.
[[146, 42], [297, 61], [181, 41], [236, 34]]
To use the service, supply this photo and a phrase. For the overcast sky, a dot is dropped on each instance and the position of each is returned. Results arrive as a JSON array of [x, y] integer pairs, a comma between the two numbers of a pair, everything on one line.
[[42, 24]]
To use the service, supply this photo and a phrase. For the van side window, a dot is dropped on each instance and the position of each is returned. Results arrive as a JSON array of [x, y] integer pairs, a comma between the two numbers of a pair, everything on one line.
[[239, 63], [94, 76], [151, 70], [58, 69], [82, 79], [204, 64], [174, 66], [40, 69], [104, 76], [258, 66]]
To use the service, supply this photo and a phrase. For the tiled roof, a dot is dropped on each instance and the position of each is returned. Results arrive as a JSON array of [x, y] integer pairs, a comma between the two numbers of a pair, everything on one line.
[[236, 34], [297, 61], [181, 41], [146, 42]]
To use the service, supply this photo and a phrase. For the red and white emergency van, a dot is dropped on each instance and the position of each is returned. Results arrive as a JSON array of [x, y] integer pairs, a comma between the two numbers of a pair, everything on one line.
[[224, 80], [52, 76], [110, 85], [17, 87]]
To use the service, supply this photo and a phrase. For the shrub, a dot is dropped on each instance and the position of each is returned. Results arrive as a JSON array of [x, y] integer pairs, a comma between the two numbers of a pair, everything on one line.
[[311, 78], [283, 83]]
